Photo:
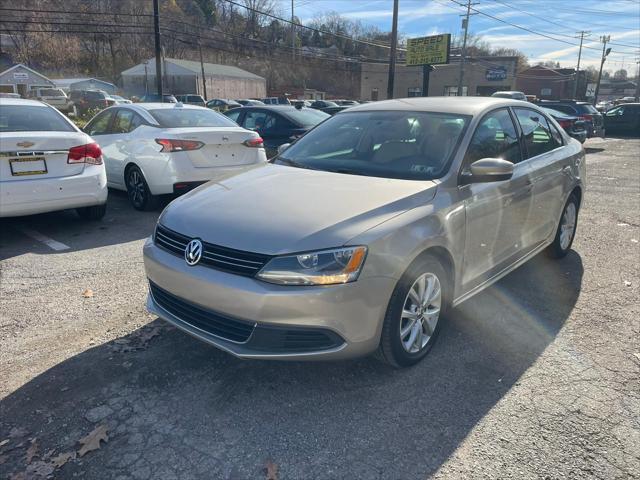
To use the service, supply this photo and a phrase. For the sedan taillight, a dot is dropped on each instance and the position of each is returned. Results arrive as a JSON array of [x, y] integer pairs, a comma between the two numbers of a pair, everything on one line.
[[256, 142], [171, 145], [90, 153]]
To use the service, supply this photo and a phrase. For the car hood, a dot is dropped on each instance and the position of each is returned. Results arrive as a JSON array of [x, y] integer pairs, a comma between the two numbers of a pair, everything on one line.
[[275, 209]]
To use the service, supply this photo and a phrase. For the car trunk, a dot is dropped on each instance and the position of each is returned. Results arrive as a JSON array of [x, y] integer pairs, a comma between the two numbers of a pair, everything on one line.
[[46, 157], [222, 146]]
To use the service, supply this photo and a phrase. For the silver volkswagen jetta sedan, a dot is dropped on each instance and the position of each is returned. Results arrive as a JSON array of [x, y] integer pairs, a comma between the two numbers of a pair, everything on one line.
[[361, 235]]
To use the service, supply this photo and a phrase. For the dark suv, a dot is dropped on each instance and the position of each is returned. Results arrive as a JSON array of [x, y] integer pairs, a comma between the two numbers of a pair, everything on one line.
[[584, 110], [85, 100]]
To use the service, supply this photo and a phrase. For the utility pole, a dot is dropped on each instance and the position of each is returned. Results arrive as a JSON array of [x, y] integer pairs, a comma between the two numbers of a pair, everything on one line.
[[293, 35], [605, 51], [465, 25], [156, 29], [577, 79], [392, 53], [204, 79]]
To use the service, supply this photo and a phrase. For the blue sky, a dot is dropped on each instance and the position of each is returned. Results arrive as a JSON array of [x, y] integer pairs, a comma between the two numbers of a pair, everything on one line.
[[560, 19]]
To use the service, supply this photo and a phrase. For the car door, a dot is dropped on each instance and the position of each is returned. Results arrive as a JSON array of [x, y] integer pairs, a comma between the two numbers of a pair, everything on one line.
[[496, 212], [550, 173], [99, 128], [123, 144]]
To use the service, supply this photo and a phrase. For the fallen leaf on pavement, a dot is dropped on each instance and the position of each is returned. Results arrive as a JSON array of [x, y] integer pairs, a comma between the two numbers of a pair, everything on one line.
[[92, 440], [32, 451], [63, 458], [271, 470], [4, 442], [88, 293]]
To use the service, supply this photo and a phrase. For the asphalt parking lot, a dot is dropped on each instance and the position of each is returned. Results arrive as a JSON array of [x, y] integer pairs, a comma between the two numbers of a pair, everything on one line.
[[537, 377]]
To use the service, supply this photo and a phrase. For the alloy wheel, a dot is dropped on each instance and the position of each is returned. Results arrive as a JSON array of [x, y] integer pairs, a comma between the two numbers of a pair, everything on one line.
[[137, 189], [420, 312]]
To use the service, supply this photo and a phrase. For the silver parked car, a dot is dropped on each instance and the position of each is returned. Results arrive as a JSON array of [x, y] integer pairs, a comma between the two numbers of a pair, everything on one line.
[[362, 234]]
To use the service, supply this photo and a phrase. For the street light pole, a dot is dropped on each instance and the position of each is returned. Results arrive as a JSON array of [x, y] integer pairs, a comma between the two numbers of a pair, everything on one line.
[[392, 53], [604, 39]]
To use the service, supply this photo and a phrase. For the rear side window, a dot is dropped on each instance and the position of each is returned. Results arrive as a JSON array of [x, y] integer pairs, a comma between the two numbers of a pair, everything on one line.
[[495, 137], [126, 121], [234, 114], [536, 131], [31, 118], [190, 117]]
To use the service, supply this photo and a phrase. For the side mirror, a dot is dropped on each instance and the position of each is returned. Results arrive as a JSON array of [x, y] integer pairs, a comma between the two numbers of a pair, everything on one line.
[[283, 147], [488, 170]]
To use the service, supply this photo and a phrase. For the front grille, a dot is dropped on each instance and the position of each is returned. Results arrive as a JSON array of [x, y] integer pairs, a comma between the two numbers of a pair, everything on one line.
[[214, 256], [210, 322]]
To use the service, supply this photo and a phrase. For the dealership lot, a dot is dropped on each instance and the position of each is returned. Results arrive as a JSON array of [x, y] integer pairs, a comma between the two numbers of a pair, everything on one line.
[[537, 377]]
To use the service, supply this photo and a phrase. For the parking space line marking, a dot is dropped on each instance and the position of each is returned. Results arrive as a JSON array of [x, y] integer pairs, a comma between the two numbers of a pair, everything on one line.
[[49, 242]]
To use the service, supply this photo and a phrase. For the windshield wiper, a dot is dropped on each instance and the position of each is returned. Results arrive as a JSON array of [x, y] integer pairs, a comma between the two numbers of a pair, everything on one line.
[[293, 163], [346, 171]]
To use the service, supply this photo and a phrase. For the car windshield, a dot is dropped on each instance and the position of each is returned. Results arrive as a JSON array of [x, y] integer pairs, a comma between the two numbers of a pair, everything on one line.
[[307, 117], [27, 118], [403, 145], [52, 92], [555, 113], [190, 117], [502, 95]]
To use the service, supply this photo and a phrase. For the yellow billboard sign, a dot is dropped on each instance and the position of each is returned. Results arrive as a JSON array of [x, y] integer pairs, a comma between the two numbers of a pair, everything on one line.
[[433, 50]]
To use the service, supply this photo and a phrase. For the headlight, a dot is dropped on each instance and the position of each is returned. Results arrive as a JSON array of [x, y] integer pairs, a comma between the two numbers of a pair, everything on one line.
[[325, 267]]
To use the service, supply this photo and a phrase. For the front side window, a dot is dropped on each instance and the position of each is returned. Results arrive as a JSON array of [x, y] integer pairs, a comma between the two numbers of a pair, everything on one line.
[[28, 118], [536, 132], [389, 144], [614, 112], [190, 117], [495, 137], [100, 124]]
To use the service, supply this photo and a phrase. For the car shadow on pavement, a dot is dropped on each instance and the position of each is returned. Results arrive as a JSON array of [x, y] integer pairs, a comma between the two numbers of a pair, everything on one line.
[[30, 234], [177, 408]]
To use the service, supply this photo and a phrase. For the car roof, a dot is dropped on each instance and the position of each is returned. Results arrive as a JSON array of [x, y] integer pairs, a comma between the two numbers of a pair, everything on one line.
[[457, 105], [156, 105], [275, 108], [21, 101]]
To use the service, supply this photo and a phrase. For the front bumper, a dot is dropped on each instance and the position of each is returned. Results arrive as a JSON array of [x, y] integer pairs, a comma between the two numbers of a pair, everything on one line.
[[29, 197], [349, 315]]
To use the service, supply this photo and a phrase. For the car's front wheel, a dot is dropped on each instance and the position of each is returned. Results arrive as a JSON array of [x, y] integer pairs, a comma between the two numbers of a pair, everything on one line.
[[566, 229], [415, 313], [138, 190]]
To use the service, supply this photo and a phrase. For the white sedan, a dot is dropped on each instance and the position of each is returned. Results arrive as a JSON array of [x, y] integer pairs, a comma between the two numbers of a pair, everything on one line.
[[152, 149], [47, 163]]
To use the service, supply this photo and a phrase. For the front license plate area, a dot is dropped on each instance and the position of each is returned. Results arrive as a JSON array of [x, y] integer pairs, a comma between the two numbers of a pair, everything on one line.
[[28, 166]]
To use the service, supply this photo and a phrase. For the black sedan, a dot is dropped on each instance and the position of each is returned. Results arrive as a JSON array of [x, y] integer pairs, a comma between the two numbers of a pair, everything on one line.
[[574, 126], [277, 124], [624, 118]]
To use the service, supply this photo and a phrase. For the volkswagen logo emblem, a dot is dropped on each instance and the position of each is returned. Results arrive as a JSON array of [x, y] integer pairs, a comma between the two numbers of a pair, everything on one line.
[[193, 252]]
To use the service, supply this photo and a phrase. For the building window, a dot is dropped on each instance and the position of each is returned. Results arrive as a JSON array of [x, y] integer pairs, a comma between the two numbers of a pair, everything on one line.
[[452, 91], [414, 92], [545, 92], [374, 94]]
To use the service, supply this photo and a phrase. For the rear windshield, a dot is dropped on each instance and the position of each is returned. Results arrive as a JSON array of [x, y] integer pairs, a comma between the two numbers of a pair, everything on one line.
[[190, 117], [586, 108], [95, 95], [555, 113], [52, 92], [28, 118], [307, 117]]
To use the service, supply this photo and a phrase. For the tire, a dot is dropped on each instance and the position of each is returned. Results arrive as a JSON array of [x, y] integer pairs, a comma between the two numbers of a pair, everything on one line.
[[95, 212], [567, 225], [138, 190], [393, 344]]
